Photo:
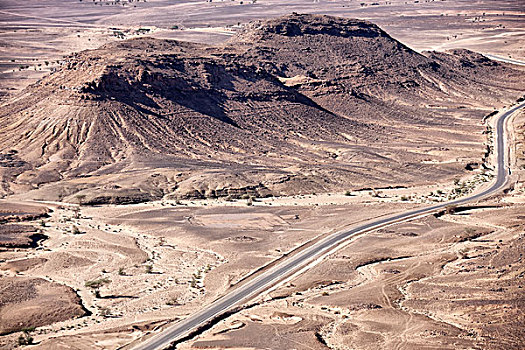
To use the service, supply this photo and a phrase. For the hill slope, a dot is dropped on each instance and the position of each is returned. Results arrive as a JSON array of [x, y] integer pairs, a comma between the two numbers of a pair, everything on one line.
[[297, 104]]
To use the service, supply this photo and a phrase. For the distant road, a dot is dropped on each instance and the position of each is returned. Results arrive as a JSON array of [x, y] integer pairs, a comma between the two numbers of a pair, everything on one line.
[[504, 59], [306, 258]]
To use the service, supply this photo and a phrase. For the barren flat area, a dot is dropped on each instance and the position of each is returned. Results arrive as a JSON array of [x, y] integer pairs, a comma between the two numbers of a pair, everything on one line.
[[157, 155]]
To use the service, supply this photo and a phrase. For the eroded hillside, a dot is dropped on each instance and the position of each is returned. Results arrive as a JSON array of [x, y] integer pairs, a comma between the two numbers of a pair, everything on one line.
[[298, 104]]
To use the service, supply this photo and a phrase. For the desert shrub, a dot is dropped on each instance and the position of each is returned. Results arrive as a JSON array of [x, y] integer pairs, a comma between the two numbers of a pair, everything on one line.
[[25, 338], [97, 283], [450, 209], [172, 301], [80, 198], [105, 312]]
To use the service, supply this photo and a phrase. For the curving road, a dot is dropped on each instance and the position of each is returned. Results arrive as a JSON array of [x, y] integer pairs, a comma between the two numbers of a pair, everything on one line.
[[315, 252], [504, 59]]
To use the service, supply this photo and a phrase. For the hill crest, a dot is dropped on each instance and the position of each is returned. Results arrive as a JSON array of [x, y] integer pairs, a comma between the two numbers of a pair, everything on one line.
[[285, 104]]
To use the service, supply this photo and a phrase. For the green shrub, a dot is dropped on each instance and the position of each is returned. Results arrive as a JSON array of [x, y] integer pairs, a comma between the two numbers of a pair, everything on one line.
[[97, 283]]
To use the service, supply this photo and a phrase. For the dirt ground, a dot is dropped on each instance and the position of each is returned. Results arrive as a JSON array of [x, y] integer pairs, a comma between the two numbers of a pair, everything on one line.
[[453, 280], [116, 273]]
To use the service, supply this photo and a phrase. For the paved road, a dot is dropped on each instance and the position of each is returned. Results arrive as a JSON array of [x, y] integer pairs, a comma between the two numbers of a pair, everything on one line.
[[504, 59], [302, 259]]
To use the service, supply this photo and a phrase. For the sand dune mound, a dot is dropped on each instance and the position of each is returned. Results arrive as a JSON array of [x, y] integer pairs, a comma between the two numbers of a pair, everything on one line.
[[286, 97]]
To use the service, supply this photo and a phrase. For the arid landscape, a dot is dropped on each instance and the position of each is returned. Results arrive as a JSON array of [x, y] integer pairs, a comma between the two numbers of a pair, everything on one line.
[[156, 156]]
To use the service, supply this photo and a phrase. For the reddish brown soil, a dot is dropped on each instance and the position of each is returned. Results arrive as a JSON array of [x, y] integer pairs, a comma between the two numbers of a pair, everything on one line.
[[11, 212], [23, 236], [34, 302]]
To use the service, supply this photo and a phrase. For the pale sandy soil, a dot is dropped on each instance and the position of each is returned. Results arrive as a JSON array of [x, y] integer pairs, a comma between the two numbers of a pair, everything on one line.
[[448, 282], [195, 253], [198, 250]]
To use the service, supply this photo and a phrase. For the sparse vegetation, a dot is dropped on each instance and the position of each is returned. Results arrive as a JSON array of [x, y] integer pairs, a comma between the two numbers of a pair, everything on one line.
[[76, 213], [375, 193], [172, 302], [75, 230], [97, 283], [105, 312], [25, 339], [193, 282], [450, 209], [80, 198]]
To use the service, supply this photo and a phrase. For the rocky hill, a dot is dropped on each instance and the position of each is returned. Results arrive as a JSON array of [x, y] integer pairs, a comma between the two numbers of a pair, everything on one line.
[[297, 104]]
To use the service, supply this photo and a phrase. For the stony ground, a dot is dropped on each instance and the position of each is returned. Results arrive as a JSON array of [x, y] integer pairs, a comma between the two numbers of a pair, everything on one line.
[[104, 276], [147, 119]]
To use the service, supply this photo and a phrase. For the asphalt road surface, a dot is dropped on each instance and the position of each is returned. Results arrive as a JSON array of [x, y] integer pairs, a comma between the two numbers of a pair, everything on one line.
[[504, 59], [315, 252]]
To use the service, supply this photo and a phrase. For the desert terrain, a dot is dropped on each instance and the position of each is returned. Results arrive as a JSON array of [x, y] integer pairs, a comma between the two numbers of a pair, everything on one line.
[[36, 34], [191, 147], [146, 119], [452, 281]]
